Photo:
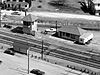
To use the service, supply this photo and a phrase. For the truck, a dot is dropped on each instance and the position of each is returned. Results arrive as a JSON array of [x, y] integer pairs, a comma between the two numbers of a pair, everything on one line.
[[86, 38]]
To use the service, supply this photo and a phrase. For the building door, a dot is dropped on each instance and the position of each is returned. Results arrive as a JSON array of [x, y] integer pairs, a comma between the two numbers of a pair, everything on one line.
[[8, 5], [19, 6]]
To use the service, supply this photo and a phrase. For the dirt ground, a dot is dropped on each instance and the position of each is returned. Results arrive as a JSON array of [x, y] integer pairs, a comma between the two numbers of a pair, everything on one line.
[[71, 6]]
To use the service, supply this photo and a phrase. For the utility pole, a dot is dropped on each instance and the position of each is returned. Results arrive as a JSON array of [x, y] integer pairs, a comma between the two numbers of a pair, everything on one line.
[[0, 16], [56, 26], [28, 58], [25, 10], [42, 50]]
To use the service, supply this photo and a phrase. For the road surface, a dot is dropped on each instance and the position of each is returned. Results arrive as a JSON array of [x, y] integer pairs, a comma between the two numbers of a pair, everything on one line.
[[57, 15]]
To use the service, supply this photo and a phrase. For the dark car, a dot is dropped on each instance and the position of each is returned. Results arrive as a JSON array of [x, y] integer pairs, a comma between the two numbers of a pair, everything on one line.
[[9, 52], [37, 72], [7, 26], [0, 61], [17, 30]]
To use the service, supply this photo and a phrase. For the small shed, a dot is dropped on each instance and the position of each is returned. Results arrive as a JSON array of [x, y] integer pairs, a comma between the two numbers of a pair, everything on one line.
[[30, 24], [70, 32]]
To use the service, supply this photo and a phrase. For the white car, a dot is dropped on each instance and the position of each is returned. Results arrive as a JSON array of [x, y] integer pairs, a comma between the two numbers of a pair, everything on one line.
[[50, 30]]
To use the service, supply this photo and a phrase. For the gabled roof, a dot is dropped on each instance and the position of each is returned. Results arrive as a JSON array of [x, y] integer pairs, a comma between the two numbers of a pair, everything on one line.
[[14, 2], [29, 18], [72, 30]]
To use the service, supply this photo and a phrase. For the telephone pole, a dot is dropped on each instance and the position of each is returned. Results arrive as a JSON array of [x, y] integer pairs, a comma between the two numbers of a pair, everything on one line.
[[0, 16], [28, 58], [42, 50]]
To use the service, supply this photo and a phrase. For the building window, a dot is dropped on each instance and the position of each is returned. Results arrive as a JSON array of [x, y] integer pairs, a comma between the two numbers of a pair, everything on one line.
[[67, 34], [27, 23], [14, 0], [72, 36], [8, 0], [25, 5], [98, 4], [20, 0], [63, 33], [8, 5]]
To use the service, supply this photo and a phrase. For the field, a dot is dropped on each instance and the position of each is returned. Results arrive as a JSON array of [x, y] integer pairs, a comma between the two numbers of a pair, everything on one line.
[[71, 6]]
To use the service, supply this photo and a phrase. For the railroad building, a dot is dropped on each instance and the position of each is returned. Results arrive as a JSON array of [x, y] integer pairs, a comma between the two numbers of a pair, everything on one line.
[[30, 24], [70, 32], [20, 47]]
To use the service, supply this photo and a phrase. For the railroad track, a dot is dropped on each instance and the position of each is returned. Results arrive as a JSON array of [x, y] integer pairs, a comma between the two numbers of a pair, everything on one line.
[[62, 55], [6, 42], [24, 38], [75, 60], [46, 44], [69, 57]]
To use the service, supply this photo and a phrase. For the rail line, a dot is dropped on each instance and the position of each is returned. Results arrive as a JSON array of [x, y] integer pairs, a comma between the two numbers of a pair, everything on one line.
[[66, 56], [24, 38], [46, 44], [75, 60], [6, 42], [70, 58]]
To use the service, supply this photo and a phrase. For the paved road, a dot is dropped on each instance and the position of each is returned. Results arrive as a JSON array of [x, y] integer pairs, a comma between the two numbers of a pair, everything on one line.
[[57, 15]]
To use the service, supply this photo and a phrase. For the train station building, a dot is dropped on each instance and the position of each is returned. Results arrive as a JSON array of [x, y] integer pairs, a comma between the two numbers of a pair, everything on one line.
[[70, 32]]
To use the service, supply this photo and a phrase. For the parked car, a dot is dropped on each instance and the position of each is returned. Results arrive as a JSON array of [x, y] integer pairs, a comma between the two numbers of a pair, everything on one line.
[[37, 72], [7, 26], [8, 51], [50, 30], [17, 30], [0, 61], [15, 13]]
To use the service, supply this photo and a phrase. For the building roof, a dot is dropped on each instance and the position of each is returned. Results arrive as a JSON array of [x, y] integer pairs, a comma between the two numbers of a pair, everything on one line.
[[16, 3], [72, 30], [96, 1], [30, 18]]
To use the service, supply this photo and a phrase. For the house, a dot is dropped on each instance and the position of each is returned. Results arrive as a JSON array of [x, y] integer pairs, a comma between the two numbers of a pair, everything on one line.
[[16, 4], [93, 6], [30, 24], [70, 32]]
